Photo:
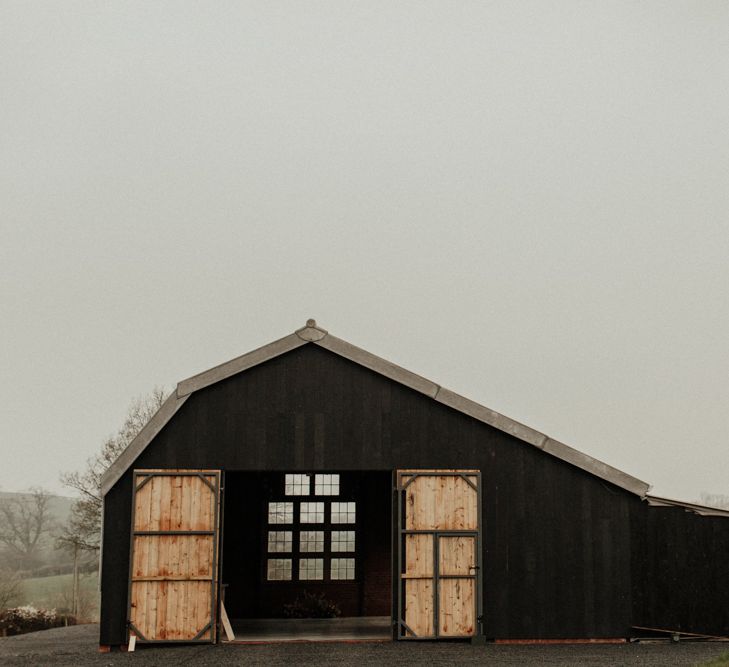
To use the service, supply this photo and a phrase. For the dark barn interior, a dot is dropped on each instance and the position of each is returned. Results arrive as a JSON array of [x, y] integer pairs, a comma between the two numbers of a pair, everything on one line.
[[249, 593]]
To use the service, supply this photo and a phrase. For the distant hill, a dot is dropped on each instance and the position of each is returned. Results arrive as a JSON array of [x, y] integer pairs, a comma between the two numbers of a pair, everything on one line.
[[59, 506]]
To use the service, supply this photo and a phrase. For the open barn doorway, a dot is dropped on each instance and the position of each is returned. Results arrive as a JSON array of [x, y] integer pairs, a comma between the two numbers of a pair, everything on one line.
[[307, 555]]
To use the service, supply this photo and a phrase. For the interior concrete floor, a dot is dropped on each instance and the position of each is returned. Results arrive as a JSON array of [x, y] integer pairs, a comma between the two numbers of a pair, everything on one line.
[[359, 628]]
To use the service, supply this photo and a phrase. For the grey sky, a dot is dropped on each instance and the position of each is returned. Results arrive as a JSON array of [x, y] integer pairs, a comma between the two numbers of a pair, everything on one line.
[[525, 202]]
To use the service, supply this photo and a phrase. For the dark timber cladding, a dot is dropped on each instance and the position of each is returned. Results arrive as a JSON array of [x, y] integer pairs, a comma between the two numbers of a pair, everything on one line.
[[565, 553], [680, 562]]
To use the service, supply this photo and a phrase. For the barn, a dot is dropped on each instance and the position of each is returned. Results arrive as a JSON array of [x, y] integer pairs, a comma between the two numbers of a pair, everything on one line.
[[310, 486]]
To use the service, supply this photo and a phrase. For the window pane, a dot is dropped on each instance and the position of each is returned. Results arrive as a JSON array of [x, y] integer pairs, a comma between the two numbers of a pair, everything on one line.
[[280, 512], [342, 540], [279, 569], [326, 485], [343, 512], [342, 568], [311, 540], [311, 568], [297, 485], [279, 540], [312, 512]]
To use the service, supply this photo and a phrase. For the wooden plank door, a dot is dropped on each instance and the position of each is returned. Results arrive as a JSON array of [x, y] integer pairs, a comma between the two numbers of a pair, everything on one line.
[[439, 553], [173, 585]]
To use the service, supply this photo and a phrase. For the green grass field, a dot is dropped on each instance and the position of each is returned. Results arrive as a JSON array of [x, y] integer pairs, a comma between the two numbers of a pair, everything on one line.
[[55, 592]]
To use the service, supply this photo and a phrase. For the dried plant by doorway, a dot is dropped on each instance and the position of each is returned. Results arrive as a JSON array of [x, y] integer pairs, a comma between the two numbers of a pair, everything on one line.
[[311, 605]]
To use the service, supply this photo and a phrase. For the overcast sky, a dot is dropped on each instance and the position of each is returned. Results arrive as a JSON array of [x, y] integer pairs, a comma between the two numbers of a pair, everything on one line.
[[526, 202]]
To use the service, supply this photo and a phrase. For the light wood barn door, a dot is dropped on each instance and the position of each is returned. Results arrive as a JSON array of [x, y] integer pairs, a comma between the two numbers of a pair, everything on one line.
[[174, 555], [439, 553]]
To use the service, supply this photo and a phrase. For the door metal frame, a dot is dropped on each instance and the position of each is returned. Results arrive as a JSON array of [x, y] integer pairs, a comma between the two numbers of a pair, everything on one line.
[[404, 632], [216, 488]]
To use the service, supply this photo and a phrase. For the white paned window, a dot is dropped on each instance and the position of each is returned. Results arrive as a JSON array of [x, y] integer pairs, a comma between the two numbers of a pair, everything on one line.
[[279, 569], [344, 512], [342, 540], [279, 540], [297, 485], [311, 568], [311, 540], [326, 485], [280, 512], [312, 513], [311, 536], [342, 568]]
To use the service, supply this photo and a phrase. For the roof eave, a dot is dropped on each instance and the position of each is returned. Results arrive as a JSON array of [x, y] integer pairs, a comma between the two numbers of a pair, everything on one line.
[[125, 460]]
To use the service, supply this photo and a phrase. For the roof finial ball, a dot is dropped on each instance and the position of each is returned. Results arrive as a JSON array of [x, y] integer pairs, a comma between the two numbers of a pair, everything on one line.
[[311, 332]]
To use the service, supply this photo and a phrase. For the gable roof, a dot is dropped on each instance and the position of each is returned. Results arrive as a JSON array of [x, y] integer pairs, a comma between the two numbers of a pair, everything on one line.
[[312, 334]]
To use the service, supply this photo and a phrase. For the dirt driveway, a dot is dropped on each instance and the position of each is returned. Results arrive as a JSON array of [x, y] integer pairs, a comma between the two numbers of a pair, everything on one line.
[[78, 646]]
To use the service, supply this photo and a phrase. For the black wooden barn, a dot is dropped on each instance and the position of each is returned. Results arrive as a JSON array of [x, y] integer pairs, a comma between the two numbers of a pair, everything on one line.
[[310, 473]]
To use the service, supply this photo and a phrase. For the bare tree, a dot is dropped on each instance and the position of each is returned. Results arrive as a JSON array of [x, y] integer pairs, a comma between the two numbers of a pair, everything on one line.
[[81, 601], [25, 520], [83, 529], [715, 500], [9, 587]]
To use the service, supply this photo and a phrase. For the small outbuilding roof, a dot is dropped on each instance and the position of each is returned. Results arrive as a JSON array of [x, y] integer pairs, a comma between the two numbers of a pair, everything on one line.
[[312, 334], [693, 508]]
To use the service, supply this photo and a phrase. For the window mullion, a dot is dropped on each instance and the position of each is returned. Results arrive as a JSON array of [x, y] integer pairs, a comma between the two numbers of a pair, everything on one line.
[[314, 511]]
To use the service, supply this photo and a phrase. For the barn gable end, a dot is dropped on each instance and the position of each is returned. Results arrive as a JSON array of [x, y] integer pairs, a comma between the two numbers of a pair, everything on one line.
[[312, 334]]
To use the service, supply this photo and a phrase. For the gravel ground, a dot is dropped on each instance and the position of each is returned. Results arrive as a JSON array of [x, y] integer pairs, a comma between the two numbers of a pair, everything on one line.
[[79, 646]]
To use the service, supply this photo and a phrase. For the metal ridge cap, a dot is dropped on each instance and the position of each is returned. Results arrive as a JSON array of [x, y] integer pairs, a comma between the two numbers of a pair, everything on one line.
[[311, 332]]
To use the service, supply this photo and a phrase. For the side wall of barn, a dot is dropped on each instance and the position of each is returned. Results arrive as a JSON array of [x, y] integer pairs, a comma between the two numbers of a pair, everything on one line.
[[680, 570], [556, 540]]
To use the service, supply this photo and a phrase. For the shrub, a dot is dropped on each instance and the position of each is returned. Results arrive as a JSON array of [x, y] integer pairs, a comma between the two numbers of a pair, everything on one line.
[[311, 605], [19, 620]]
